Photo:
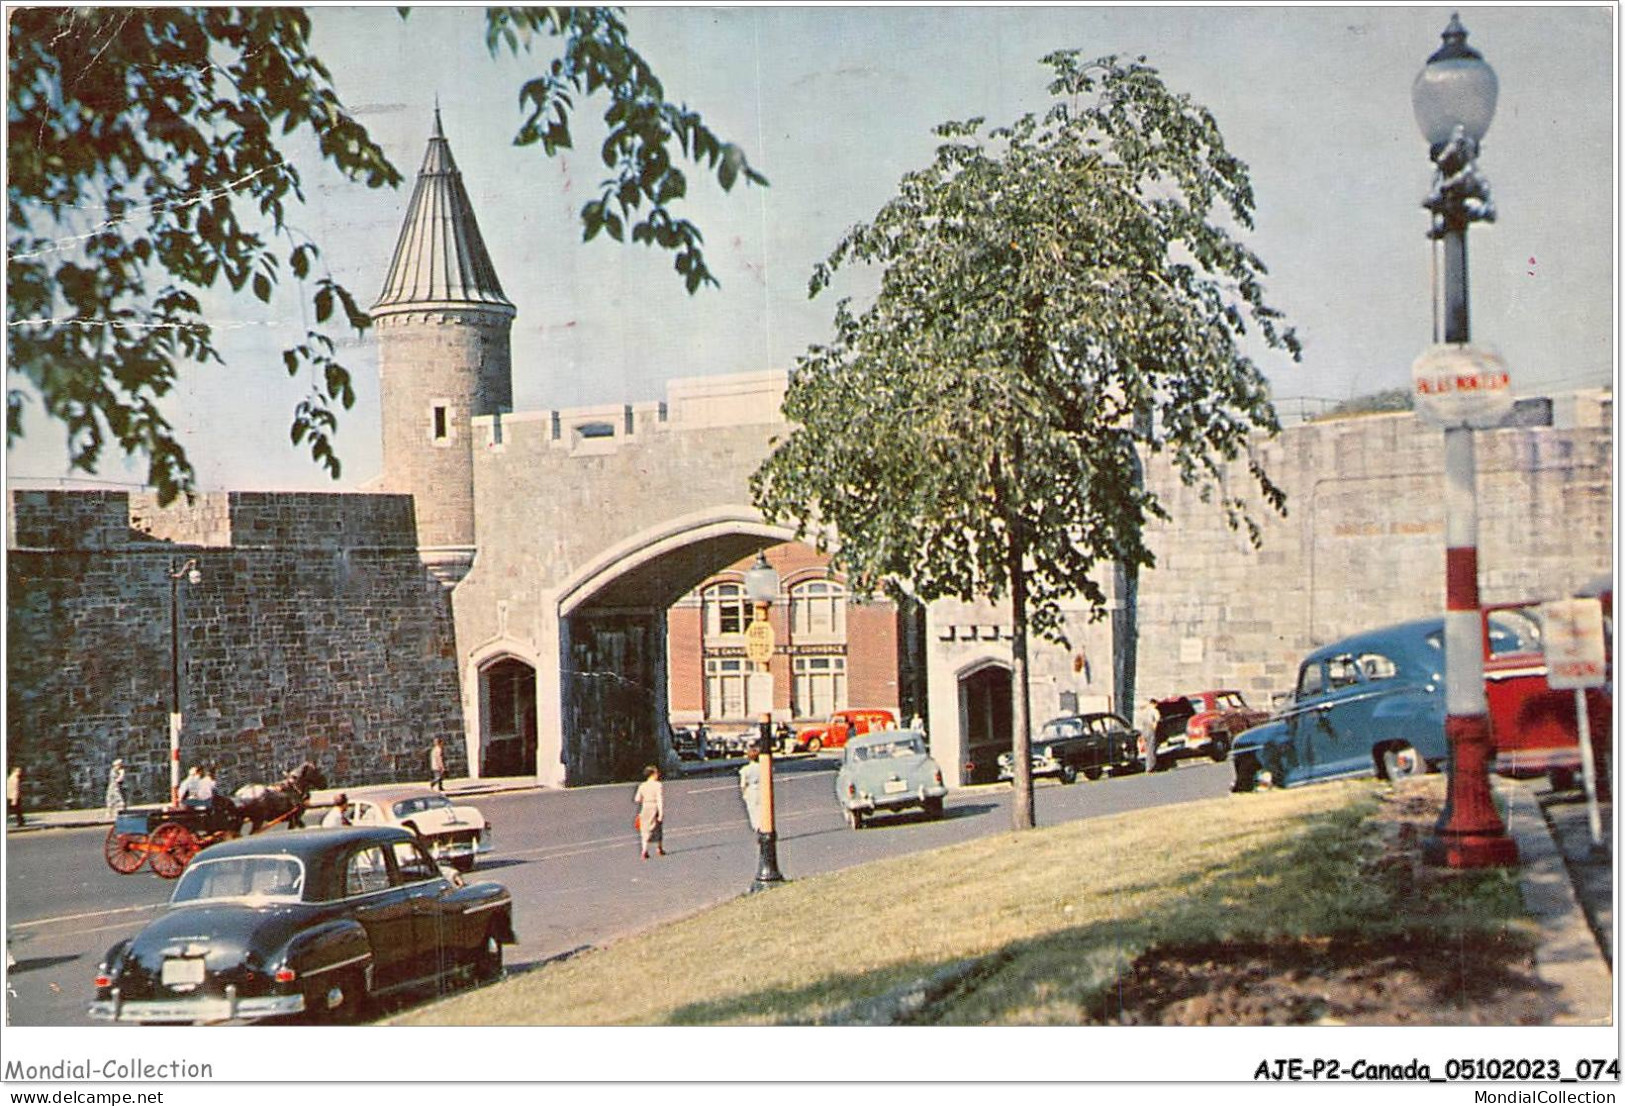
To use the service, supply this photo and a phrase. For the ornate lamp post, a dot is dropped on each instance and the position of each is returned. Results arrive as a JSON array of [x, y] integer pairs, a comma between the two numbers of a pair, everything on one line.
[[761, 588], [1461, 388], [188, 572]]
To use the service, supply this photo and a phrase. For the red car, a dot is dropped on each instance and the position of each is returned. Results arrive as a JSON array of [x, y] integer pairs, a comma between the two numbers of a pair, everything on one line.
[[843, 724], [1203, 723], [1536, 729]]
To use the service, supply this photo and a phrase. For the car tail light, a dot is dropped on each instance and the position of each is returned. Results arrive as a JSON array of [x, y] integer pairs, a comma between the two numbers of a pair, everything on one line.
[[104, 981], [851, 791], [939, 777], [1140, 745], [285, 975]]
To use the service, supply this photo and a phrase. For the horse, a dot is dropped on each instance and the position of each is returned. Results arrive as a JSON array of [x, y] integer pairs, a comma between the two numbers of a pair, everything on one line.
[[259, 803]]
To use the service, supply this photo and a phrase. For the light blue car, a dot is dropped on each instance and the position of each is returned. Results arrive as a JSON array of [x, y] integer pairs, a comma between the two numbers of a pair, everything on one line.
[[1371, 703], [888, 770]]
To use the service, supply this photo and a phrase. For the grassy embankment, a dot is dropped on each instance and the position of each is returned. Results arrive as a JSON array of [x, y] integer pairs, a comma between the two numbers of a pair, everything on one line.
[[1028, 928]]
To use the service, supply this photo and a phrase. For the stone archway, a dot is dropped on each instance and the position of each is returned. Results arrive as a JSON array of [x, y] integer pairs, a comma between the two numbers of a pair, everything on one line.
[[613, 668], [507, 739], [985, 717]]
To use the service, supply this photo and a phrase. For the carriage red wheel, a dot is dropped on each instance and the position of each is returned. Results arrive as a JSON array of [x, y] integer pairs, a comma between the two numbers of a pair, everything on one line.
[[173, 847], [125, 852]]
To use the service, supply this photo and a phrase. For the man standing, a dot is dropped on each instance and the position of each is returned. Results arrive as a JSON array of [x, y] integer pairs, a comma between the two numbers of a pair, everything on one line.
[[1147, 724], [750, 787], [192, 790], [14, 793], [437, 765]]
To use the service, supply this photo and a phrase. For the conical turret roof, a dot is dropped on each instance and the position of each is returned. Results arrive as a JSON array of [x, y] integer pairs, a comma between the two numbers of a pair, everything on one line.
[[440, 259]]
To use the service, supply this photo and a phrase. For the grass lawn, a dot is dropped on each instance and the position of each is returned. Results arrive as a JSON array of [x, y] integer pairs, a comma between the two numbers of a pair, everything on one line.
[[1031, 928]]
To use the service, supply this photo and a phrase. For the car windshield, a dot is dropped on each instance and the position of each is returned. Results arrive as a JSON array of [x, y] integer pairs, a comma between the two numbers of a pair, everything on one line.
[[239, 877], [419, 803], [1062, 727], [1231, 700], [902, 747]]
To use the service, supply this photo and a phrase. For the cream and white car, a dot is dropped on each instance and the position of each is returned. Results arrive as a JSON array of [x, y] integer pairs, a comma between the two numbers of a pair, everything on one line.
[[455, 835]]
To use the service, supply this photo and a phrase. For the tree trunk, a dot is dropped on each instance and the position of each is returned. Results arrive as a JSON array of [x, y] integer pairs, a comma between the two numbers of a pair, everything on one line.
[[1021, 810]]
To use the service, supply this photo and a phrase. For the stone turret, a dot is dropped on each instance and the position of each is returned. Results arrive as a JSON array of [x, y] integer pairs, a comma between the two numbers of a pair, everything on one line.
[[443, 337]]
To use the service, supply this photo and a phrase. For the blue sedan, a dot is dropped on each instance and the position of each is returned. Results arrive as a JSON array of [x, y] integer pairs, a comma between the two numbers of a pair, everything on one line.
[[1371, 703]]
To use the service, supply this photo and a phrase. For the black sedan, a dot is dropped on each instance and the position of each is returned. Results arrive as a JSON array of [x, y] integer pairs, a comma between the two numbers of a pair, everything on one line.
[[1092, 744], [316, 923]]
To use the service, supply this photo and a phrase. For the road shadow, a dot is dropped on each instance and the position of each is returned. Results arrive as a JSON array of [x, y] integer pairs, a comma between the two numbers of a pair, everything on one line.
[[38, 962]]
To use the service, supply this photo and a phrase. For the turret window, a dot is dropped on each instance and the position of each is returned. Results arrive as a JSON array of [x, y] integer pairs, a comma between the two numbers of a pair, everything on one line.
[[440, 422]]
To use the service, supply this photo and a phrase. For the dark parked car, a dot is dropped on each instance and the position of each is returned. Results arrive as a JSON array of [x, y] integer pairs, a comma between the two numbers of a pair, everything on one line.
[[1092, 744], [316, 923]]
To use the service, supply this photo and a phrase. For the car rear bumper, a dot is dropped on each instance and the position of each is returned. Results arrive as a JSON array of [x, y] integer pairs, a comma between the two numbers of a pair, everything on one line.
[[211, 1008], [868, 804]]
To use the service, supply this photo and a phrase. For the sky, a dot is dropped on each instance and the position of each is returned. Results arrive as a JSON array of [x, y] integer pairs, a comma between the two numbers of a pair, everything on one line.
[[835, 104]]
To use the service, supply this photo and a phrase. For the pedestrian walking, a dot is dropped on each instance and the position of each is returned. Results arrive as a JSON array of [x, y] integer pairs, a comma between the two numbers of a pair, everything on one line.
[[750, 787], [651, 803], [14, 793], [115, 799], [1146, 723], [437, 765], [340, 814]]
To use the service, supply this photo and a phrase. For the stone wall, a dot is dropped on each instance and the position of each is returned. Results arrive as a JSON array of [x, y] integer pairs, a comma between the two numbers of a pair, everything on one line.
[[1362, 543], [313, 632]]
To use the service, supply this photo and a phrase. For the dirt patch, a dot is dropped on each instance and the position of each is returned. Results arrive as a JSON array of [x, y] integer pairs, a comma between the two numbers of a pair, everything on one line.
[[1413, 978]]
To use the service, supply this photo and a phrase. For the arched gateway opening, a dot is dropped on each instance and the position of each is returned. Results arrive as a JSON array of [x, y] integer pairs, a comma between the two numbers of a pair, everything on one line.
[[507, 718], [985, 718], [613, 679]]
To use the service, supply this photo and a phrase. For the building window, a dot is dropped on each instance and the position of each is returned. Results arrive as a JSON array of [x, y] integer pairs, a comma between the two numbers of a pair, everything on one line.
[[818, 610], [440, 423], [820, 686], [725, 688], [726, 610]]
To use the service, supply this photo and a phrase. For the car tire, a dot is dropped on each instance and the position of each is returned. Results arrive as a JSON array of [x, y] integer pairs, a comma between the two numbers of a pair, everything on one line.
[[814, 745], [488, 959], [1069, 774], [1246, 774], [1218, 748], [463, 863], [1092, 774], [1563, 779], [854, 819], [933, 808], [1400, 761], [341, 1002]]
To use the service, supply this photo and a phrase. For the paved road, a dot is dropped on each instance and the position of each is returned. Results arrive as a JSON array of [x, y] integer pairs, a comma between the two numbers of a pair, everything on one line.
[[569, 857]]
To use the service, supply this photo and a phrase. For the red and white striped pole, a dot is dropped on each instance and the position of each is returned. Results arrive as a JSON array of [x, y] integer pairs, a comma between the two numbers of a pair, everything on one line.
[[1470, 833], [1461, 389]]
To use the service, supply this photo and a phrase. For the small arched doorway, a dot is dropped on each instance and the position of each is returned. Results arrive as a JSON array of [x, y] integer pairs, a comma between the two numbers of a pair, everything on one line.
[[985, 720], [508, 718]]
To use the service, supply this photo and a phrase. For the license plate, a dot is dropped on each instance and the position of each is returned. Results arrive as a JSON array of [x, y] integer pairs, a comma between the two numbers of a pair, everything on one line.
[[893, 787], [188, 972]]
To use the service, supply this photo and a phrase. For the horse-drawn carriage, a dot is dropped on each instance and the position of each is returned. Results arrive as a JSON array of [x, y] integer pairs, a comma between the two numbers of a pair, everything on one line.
[[169, 837]]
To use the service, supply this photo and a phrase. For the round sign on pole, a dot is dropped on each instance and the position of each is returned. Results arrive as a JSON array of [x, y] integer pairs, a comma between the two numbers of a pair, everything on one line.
[[1462, 386], [759, 642]]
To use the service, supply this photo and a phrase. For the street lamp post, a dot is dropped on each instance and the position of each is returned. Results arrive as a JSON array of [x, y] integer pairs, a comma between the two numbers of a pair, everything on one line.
[[188, 572], [761, 588], [1462, 389]]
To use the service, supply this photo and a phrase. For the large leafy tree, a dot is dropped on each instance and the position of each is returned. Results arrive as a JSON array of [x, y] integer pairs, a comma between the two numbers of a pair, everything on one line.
[[145, 164], [1057, 298]]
